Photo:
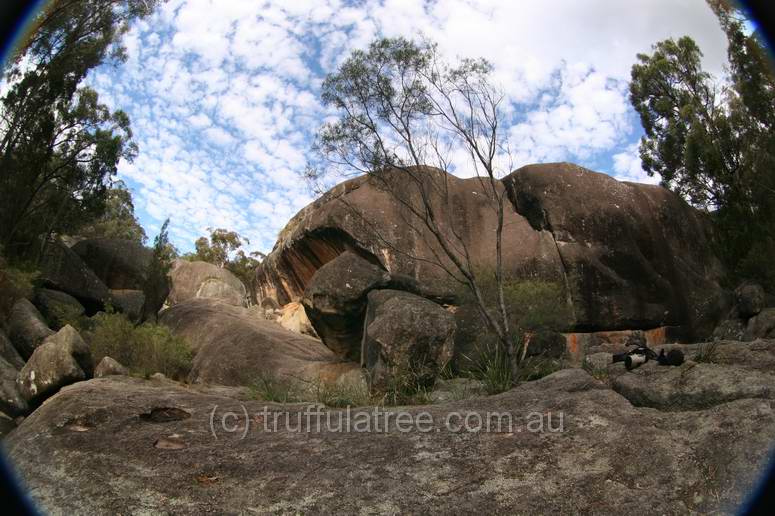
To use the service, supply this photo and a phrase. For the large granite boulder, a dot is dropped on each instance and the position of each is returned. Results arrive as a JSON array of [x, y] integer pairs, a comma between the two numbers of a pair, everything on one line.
[[62, 269], [335, 301], [405, 334], [195, 280], [120, 264], [62, 359], [630, 256], [26, 327], [634, 255], [234, 347], [123, 445], [58, 308]]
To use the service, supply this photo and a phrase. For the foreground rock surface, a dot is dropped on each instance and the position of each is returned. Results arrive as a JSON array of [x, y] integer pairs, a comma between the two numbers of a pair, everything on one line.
[[125, 445]]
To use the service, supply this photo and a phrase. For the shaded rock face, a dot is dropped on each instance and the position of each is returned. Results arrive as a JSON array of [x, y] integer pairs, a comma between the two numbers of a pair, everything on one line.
[[234, 347], [97, 439], [405, 334], [62, 269], [761, 326], [11, 401], [57, 307], [8, 352], [749, 300], [62, 359], [129, 302], [630, 256], [26, 327], [335, 301], [634, 256], [193, 280], [120, 264]]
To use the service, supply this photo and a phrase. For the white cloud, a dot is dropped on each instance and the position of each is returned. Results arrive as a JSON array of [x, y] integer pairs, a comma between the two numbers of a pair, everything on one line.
[[627, 167], [223, 96]]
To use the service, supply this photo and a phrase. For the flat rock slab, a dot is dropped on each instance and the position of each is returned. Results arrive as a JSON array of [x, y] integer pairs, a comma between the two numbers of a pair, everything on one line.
[[93, 448]]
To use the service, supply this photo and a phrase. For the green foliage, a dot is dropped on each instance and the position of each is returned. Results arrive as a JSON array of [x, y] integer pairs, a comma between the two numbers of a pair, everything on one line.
[[715, 146], [403, 388], [270, 388], [118, 220], [535, 368], [144, 349], [58, 143], [339, 396], [532, 305], [20, 280], [492, 367], [156, 288]]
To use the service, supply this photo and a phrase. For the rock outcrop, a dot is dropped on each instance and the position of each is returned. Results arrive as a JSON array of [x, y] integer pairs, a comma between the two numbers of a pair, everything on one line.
[[26, 327], [120, 264], [103, 438], [202, 280], [405, 335], [234, 347], [61, 359], [62, 269], [630, 256]]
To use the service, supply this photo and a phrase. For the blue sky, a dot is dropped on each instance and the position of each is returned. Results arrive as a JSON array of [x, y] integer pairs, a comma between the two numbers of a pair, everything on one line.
[[223, 95]]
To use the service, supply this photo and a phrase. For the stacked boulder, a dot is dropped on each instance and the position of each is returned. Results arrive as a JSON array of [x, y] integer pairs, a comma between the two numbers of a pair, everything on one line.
[[363, 313], [750, 318]]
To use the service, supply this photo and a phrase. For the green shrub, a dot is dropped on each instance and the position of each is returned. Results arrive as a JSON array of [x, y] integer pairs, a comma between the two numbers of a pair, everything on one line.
[[336, 395], [144, 350], [491, 366], [535, 368], [533, 306], [270, 388]]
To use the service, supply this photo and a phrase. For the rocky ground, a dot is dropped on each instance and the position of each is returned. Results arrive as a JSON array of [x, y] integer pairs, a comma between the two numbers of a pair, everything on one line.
[[124, 445]]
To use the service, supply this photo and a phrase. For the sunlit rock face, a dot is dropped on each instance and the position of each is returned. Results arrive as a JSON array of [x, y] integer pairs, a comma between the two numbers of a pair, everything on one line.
[[630, 256]]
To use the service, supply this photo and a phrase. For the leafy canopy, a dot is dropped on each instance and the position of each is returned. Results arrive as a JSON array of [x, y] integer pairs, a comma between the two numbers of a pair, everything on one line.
[[58, 143], [713, 142]]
